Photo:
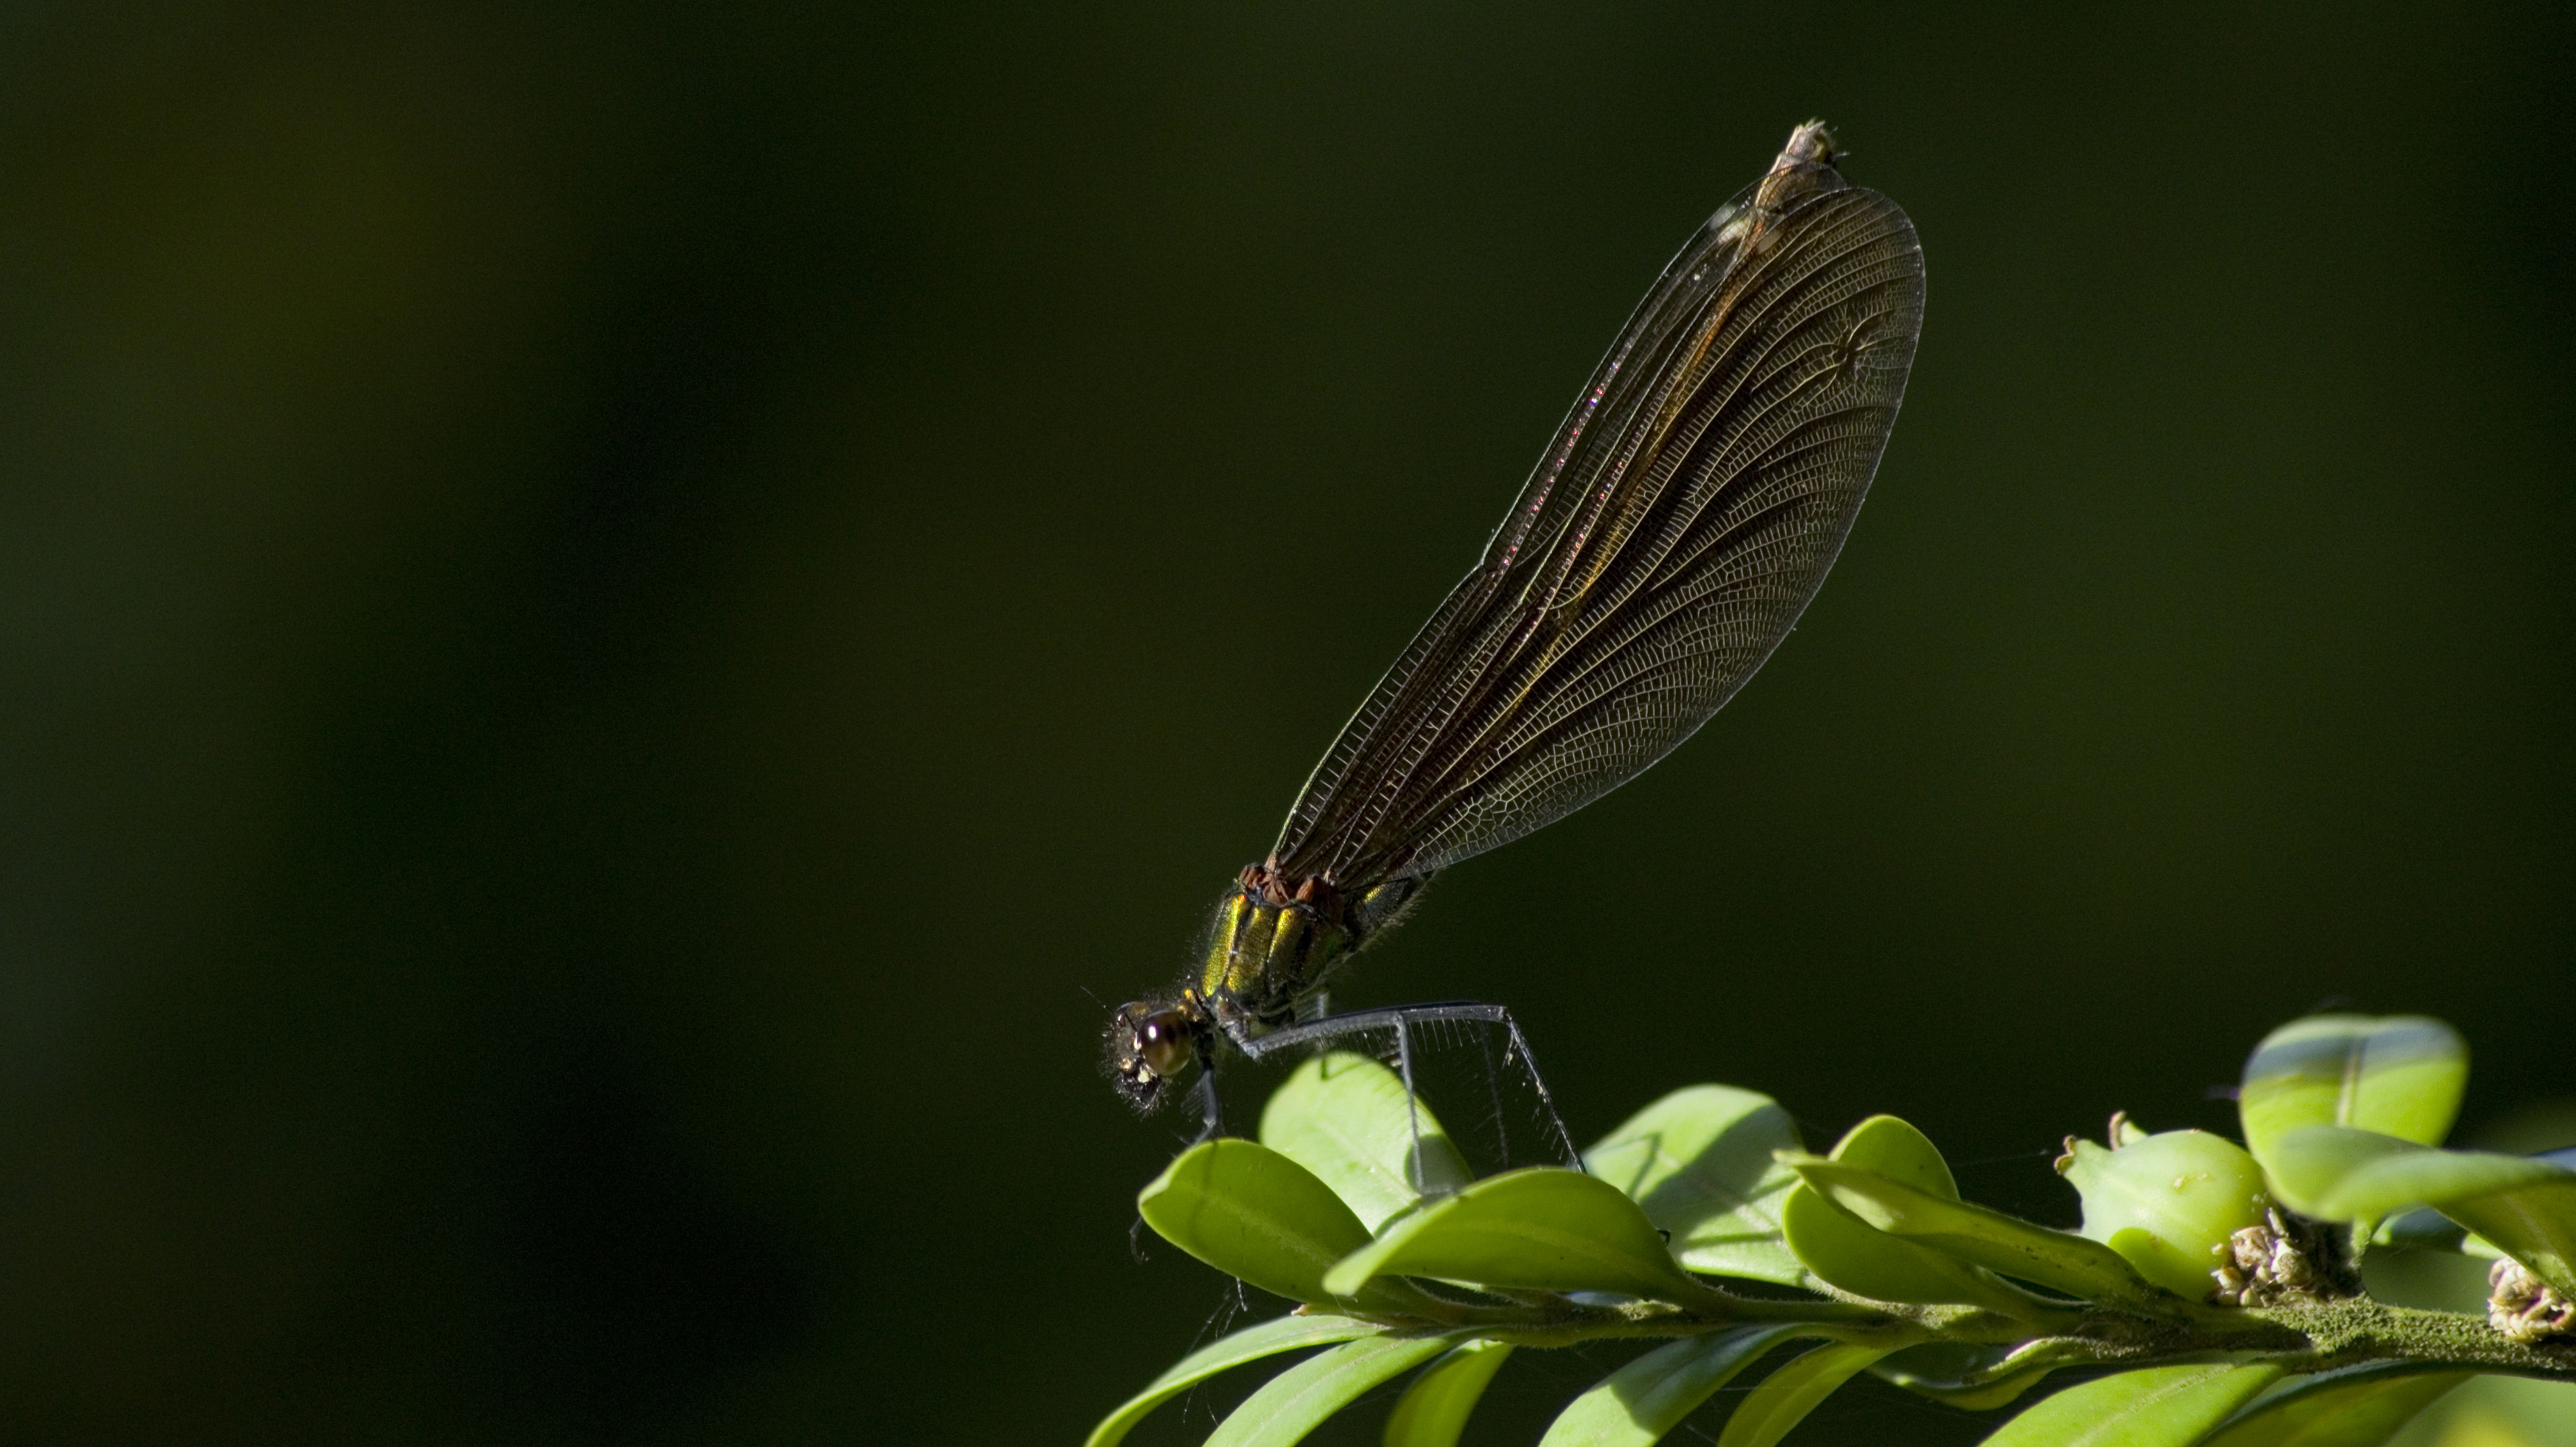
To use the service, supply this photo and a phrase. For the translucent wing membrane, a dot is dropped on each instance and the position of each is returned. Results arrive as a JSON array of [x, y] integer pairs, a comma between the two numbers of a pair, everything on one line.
[[1683, 517]]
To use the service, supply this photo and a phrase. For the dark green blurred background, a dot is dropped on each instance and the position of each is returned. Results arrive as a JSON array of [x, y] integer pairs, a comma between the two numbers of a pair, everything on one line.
[[611, 613]]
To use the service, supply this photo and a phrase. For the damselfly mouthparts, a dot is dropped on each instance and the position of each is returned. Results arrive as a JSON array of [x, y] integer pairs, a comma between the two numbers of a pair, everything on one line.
[[1677, 525]]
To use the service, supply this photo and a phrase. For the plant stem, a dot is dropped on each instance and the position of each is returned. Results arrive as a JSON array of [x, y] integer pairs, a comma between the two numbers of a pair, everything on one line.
[[2315, 1337]]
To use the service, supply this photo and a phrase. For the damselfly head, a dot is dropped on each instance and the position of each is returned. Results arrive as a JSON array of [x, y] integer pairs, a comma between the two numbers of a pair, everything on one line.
[[1148, 1044], [1809, 144], [1810, 163]]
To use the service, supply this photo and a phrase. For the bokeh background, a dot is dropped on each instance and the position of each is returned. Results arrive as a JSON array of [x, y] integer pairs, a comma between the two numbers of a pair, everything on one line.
[[618, 618]]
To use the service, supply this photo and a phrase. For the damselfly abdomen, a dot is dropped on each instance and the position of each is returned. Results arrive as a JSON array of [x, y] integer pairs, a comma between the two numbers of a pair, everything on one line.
[[1677, 525]]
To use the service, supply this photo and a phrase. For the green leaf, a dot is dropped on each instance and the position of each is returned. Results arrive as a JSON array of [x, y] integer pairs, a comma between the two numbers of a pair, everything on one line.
[[2525, 1206], [1345, 1117], [1859, 1258], [1793, 1389], [1970, 1377], [2343, 1174], [1699, 1161], [2150, 1407], [2430, 1230], [1540, 1229], [1637, 1404], [1895, 1149], [1300, 1399], [1849, 1253], [1254, 1214], [1433, 1411], [1287, 1334], [2060, 1260], [2363, 1407], [2399, 1075]]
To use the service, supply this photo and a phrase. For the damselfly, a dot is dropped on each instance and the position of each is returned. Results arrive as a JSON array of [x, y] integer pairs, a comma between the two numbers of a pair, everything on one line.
[[1673, 531]]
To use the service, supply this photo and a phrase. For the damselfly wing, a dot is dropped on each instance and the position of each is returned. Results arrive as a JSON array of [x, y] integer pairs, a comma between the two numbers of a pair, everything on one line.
[[1680, 521]]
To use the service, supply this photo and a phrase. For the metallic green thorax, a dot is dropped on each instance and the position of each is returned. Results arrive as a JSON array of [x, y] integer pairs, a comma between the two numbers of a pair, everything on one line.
[[1272, 947], [1268, 948]]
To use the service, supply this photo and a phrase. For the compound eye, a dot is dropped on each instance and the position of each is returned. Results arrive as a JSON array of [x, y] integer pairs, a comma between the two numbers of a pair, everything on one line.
[[1163, 1039]]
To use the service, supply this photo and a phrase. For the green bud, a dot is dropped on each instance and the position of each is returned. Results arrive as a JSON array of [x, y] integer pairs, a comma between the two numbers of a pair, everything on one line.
[[2167, 1203]]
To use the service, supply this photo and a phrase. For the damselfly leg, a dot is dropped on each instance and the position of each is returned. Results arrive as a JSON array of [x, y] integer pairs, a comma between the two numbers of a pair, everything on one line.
[[1403, 1028]]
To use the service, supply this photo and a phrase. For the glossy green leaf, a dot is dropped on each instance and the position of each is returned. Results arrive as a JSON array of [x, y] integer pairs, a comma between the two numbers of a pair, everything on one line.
[[2424, 1229], [1793, 1389], [1287, 1334], [1639, 1403], [1252, 1213], [1895, 1149], [2535, 1225], [1302, 1398], [1970, 1377], [2150, 1407], [1434, 1410], [2361, 1408], [2399, 1075], [1851, 1254], [2059, 1260], [1700, 1162], [1857, 1257], [2525, 1206], [1542, 1229], [1345, 1118]]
